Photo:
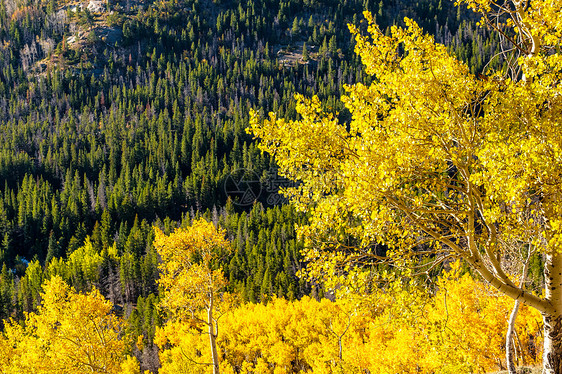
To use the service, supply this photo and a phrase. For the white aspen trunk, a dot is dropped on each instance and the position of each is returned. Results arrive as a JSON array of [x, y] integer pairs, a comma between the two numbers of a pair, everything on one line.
[[340, 353], [509, 344], [509, 340], [552, 356], [212, 334]]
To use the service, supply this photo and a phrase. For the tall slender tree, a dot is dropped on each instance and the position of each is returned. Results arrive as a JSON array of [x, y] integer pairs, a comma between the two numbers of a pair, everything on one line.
[[189, 280]]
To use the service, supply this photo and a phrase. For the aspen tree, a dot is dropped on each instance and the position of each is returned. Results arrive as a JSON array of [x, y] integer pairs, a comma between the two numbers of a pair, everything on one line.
[[189, 282], [437, 158]]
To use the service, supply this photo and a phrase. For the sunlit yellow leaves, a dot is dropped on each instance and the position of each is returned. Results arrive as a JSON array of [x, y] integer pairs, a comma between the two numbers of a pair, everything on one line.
[[537, 22], [187, 348], [434, 158], [191, 292], [70, 333], [409, 127], [130, 366], [396, 329], [187, 266], [462, 302]]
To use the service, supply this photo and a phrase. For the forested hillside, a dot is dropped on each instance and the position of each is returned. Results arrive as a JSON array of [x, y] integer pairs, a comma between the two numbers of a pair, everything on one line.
[[119, 116]]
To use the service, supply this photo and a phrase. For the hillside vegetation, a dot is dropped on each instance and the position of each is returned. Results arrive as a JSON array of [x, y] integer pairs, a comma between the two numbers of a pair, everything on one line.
[[120, 116]]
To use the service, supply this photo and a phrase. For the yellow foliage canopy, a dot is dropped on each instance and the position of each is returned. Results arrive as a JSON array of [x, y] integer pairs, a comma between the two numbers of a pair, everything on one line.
[[187, 267], [437, 161], [397, 330], [191, 288], [434, 157], [70, 333]]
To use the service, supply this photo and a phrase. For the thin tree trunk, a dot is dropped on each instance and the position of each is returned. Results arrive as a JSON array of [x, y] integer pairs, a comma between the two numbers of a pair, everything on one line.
[[212, 334], [509, 346], [340, 352], [552, 356], [509, 340], [520, 347]]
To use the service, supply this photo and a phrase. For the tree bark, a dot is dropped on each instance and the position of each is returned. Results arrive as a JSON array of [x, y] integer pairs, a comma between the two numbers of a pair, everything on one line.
[[509, 344], [509, 361], [212, 334], [552, 356]]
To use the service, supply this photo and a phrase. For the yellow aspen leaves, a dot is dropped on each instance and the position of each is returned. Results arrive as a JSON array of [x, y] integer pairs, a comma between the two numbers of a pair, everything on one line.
[[434, 157], [191, 292], [187, 267], [459, 329], [437, 161], [70, 333]]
